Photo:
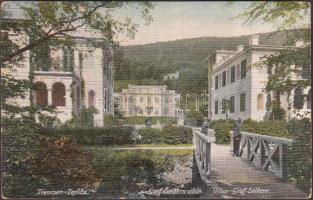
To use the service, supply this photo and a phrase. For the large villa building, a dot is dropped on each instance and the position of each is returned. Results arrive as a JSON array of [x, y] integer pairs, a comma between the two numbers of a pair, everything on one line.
[[233, 77], [148, 100], [70, 78]]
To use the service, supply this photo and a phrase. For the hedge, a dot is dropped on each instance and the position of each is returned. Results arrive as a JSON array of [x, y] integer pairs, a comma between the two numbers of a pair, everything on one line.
[[276, 128], [222, 128], [141, 120], [168, 135], [107, 136]]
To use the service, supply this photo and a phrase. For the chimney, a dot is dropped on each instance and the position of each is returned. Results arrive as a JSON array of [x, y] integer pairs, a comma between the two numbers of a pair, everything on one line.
[[254, 40], [240, 48]]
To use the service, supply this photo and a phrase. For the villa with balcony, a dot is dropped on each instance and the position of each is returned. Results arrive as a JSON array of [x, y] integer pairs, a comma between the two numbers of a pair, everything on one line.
[[68, 77]]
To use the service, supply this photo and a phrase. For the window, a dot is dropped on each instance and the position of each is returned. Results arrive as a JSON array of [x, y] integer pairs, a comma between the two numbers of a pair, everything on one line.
[[223, 78], [242, 102], [243, 69], [309, 100], [216, 82], [71, 60], [166, 100], [141, 99], [156, 99], [223, 105], [233, 74], [228, 76], [298, 100], [140, 111], [216, 107], [41, 93], [260, 102], [238, 72], [131, 99], [58, 94], [65, 58], [232, 104], [91, 99], [149, 100], [81, 58]]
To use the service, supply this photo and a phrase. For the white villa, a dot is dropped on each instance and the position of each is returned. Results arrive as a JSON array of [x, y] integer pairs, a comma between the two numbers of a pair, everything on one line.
[[149, 100], [232, 78], [73, 78]]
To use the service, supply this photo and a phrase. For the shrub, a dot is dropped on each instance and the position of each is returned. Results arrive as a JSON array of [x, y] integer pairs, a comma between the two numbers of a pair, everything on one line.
[[177, 135], [141, 120], [150, 136], [300, 153], [275, 128], [168, 135], [120, 168], [63, 164], [277, 113], [222, 128], [112, 135]]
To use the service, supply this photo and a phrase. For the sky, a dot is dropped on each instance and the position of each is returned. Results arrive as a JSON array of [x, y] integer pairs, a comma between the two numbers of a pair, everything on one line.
[[180, 20]]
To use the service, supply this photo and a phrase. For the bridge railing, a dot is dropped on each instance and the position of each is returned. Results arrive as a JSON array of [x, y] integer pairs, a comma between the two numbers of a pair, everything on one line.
[[203, 151], [266, 152]]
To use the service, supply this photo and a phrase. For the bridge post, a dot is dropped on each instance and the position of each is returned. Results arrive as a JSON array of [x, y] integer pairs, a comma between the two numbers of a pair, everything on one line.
[[207, 158], [283, 161]]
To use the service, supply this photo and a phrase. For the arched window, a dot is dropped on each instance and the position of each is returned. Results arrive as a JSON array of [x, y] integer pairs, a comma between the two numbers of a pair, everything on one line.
[[298, 100], [58, 94], [309, 100], [41, 94], [260, 102], [91, 98]]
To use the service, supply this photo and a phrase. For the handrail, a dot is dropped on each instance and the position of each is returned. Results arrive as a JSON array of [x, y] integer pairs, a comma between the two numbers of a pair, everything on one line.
[[266, 152], [267, 137], [203, 152]]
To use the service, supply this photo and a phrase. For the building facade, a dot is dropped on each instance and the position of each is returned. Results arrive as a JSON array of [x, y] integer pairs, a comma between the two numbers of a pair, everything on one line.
[[237, 85], [148, 100], [70, 78]]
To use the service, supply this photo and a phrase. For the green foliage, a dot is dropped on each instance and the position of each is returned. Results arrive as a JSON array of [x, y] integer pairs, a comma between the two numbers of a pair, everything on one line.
[[60, 159], [141, 120], [284, 14], [149, 136], [121, 168], [86, 118], [271, 128], [177, 135], [48, 19], [194, 118], [222, 128], [168, 135], [300, 153], [107, 136], [277, 112]]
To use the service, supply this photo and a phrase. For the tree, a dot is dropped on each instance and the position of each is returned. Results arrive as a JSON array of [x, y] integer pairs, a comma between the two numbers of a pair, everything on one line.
[[50, 19], [296, 61]]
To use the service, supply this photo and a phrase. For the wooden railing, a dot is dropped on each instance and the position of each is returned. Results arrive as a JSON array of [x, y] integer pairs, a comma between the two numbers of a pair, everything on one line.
[[203, 151], [266, 152]]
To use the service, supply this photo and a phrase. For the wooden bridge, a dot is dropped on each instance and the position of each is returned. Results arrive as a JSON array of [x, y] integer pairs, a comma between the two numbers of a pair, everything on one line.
[[260, 171]]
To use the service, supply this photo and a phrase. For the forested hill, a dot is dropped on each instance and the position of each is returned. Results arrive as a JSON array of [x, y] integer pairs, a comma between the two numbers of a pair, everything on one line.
[[150, 63], [193, 50]]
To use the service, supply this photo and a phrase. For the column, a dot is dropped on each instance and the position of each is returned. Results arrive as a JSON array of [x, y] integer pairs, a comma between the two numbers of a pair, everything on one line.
[[49, 96]]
